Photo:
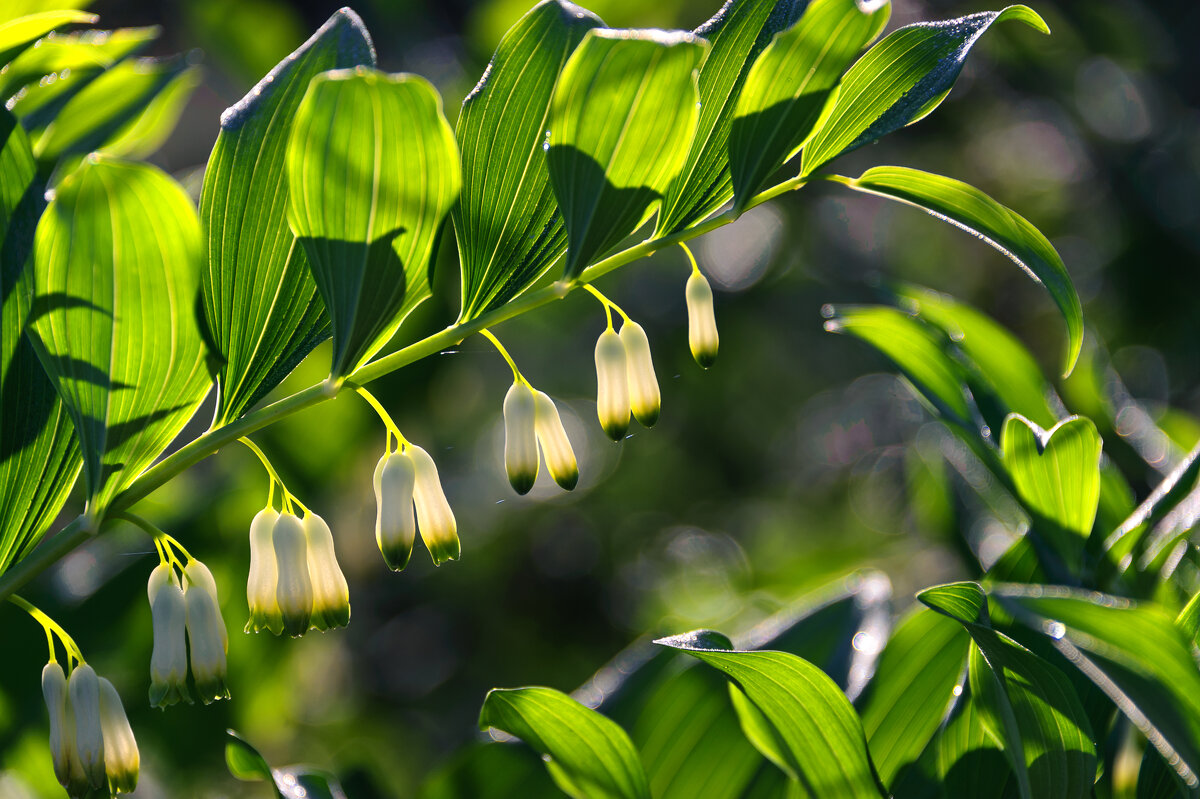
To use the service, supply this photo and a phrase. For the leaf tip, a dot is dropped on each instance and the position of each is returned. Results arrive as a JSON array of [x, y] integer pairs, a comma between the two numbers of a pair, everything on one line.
[[704, 640]]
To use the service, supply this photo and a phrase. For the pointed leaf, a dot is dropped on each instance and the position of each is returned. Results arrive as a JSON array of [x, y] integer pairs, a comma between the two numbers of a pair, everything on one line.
[[583, 748], [63, 55], [902, 79], [790, 85], [261, 307], [372, 170], [39, 455], [116, 276], [19, 33], [507, 222], [816, 732], [621, 122], [1132, 652], [738, 33], [967, 207], [148, 130]]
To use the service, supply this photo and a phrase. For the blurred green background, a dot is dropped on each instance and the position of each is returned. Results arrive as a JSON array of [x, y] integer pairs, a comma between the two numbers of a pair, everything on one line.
[[797, 459]]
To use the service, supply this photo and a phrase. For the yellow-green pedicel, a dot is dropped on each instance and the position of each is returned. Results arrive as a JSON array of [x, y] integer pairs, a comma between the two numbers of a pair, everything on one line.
[[293, 591], [612, 385], [168, 661], [330, 593], [520, 438], [263, 578], [395, 523], [206, 633]]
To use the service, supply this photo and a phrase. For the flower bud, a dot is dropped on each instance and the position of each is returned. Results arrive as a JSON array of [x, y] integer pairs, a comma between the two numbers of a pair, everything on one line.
[[62, 741], [293, 592], [702, 322], [612, 387], [83, 688], [644, 398], [435, 519], [121, 759], [264, 576], [520, 441], [556, 447], [331, 595], [168, 662], [206, 632], [395, 524]]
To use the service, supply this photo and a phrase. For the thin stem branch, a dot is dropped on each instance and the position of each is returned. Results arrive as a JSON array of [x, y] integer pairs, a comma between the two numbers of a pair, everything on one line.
[[384, 416], [517, 376], [49, 625]]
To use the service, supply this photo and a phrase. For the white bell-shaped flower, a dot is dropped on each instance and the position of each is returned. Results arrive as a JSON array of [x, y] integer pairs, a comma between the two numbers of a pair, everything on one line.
[[612, 385], [435, 519], [206, 632], [645, 400], [294, 589], [520, 439], [395, 522], [263, 577], [168, 661], [121, 758], [331, 595], [83, 691], [702, 321], [62, 740], [556, 447]]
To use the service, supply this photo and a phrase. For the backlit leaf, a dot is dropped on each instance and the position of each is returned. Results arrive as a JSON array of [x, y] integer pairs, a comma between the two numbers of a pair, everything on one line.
[[622, 119], [63, 55], [372, 170], [19, 33], [261, 307]]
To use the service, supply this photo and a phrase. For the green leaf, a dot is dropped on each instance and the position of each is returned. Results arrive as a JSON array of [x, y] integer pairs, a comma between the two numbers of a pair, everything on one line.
[[104, 110], [622, 119], [1163, 518], [243, 760], [737, 34], [967, 760], [39, 455], [790, 85], [507, 222], [913, 348], [63, 56], [1056, 473], [966, 207], [902, 79], [816, 732], [1157, 780], [143, 134], [912, 689], [583, 748], [290, 782], [117, 259], [1132, 652], [372, 171], [19, 33], [261, 307], [1026, 703]]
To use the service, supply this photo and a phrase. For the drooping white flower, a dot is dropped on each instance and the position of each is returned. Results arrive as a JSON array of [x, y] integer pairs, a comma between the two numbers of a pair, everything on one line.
[[612, 385], [121, 758], [293, 592], [645, 400], [435, 519], [395, 523], [702, 321], [83, 690], [331, 595], [520, 440], [62, 740], [556, 447], [168, 661], [263, 577], [206, 632]]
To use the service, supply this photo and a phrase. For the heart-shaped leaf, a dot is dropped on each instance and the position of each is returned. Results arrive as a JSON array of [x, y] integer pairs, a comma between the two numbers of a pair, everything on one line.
[[1133, 652], [790, 85], [588, 755], [20, 33], [261, 307], [738, 33], [507, 222], [117, 260], [372, 171], [902, 79], [39, 455], [967, 207], [622, 119], [1057, 476], [806, 723]]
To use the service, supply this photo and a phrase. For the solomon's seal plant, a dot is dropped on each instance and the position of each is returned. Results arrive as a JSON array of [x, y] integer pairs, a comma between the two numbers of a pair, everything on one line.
[[328, 190]]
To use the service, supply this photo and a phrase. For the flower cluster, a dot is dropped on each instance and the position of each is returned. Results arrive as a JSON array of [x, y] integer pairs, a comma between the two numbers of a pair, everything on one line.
[[408, 498], [294, 583], [91, 742], [531, 421], [625, 380], [184, 612]]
